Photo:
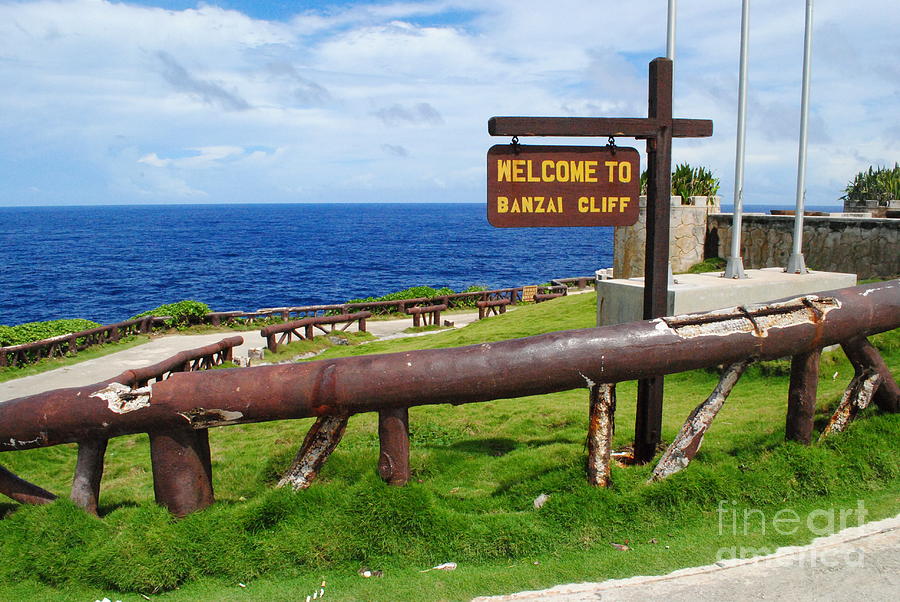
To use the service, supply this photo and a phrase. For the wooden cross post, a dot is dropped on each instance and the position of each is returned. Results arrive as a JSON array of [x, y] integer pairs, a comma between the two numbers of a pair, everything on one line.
[[657, 129]]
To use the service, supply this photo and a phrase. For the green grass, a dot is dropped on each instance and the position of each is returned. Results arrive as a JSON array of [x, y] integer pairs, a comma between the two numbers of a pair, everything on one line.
[[712, 264], [317, 343], [428, 328], [476, 471]]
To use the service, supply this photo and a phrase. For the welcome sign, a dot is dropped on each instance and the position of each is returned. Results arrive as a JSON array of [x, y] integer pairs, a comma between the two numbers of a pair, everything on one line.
[[556, 186]]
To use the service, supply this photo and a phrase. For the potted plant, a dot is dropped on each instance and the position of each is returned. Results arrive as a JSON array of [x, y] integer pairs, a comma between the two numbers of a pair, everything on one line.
[[694, 185], [874, 187]]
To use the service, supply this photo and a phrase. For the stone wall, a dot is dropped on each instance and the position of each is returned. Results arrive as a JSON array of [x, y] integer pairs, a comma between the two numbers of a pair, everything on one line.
[[869, 248], [875, 208], [688, 236]]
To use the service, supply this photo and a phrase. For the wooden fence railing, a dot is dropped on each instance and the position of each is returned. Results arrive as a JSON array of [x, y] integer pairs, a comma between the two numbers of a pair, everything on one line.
[[176, 412], [290, 330], [69, 344]]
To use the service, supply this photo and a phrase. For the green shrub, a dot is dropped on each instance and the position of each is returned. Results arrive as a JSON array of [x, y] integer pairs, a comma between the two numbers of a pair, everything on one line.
[[882, 184], [710, 264], [689, 181], [414, 292], [37, 331], [417, 292], [182, 313]]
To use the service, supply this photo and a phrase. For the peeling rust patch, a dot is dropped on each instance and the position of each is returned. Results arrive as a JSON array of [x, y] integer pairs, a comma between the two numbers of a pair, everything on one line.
[[688, 441], [201, 418], [587, 380], [886, 287], [122, 399], [601, 428], [856, 398], [754, 319], [16, 444], [320, 441]]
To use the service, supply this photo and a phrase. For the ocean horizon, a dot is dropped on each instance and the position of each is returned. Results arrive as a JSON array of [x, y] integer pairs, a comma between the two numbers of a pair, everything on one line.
[[109, 262]]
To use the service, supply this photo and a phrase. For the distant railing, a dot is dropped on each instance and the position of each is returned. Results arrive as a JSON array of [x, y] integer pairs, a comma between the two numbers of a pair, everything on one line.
[[70, 344], [579, 282], [176, 412], [290, 330]]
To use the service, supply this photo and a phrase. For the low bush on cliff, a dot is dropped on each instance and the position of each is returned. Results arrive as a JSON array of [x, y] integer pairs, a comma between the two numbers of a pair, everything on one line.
[[182, 313], [37, 331], [426, 292]]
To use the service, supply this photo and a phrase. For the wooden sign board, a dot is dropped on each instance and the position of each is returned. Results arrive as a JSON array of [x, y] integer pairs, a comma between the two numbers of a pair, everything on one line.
[[556, 186], [528, 293]]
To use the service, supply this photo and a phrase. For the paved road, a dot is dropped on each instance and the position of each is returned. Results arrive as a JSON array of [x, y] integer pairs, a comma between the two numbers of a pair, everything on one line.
[[102, 368], [859, 563]]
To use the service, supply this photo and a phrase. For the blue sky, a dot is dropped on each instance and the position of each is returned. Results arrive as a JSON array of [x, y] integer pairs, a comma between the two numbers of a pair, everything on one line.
[[238, 101]]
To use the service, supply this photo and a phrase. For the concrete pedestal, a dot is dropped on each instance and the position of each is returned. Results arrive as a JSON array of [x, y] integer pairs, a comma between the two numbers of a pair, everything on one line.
[[621, 300]]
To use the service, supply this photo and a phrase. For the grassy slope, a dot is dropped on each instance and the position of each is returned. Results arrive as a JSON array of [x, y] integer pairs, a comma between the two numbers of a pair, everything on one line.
[[476, 470]]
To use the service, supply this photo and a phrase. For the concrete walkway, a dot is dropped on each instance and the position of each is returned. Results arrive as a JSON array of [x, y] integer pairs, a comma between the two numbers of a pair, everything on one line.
[[102, 368], [859, 563]]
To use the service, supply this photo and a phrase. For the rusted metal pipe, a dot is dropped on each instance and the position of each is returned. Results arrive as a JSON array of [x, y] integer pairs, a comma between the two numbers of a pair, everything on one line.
[[21, 490], [801, 409], [308, 324], [393, 437], [88, 473], [548, 363], [855, 399], [182, 471], [320, 441], [689, 439], [601, 426], [863, 355]]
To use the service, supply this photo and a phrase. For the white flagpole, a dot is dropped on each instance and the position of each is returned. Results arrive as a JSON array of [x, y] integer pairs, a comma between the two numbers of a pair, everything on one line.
[[670, 54], [796, 264], [735, 266]]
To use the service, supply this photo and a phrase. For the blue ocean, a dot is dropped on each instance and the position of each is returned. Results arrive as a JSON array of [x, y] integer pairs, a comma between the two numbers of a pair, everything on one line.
[[107, 263]]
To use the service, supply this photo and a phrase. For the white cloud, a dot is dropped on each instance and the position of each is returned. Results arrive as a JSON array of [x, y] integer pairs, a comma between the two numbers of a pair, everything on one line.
[[389, 101]]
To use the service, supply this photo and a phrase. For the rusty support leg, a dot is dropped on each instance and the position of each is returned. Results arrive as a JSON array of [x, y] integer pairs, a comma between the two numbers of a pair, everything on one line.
[[802, 396], [362, 324], [320, 441], [393, 435], [648, 418], [863, 355], [21, 490], [601, 426], [88, 472], [856, 397], [182, 474], [688, 441]]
